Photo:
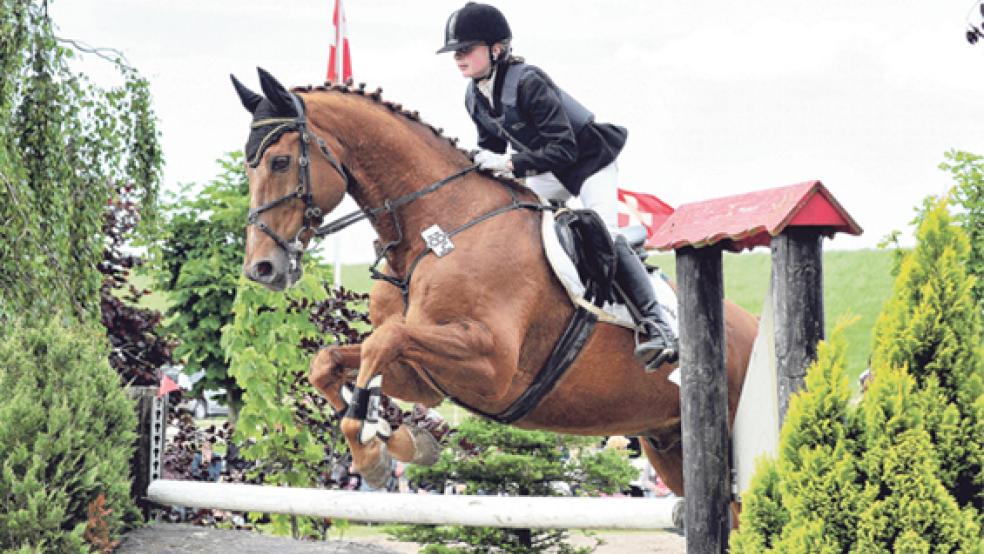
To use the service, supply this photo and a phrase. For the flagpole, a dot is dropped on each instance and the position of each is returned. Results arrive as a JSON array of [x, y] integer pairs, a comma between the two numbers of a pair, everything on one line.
[[336, 247], [338, 62], [339, 44]]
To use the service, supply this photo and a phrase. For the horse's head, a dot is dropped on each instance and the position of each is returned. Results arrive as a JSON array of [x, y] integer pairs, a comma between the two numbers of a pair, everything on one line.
[[294, 178]]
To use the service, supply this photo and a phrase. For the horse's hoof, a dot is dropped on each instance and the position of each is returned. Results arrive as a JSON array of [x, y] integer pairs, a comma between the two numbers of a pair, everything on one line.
[[426, 448], [377, 475], [679, 519]]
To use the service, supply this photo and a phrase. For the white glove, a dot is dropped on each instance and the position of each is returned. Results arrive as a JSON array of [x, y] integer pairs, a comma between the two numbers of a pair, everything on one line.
[[498, 164]]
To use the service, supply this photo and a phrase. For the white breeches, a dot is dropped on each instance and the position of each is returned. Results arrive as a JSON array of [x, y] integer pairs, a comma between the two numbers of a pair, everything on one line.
[[599, 193]]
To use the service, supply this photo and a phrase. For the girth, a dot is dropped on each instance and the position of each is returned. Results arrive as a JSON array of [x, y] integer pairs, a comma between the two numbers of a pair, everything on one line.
[[564, 352]]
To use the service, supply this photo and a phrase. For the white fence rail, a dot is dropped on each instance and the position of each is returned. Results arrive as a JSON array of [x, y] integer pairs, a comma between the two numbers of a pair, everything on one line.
[[527, 512]]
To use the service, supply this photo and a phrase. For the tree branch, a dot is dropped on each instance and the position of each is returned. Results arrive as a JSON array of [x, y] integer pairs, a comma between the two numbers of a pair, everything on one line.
[[103, 52]]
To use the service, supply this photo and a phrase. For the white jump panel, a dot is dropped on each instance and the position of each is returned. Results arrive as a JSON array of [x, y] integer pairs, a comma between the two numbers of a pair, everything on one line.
[[527, 512]]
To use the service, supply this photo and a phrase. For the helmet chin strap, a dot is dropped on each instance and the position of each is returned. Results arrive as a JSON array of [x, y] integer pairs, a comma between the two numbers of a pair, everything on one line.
[[492, 63]]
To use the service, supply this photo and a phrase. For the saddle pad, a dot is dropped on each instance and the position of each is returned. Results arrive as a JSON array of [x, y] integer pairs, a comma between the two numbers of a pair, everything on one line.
[[618, 314]]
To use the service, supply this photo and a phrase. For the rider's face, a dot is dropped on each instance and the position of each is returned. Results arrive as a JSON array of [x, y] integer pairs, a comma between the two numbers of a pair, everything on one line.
[[473, 62]]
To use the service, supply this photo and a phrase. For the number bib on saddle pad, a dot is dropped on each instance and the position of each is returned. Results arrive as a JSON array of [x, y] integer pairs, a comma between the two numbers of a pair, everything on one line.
[[567, 273]]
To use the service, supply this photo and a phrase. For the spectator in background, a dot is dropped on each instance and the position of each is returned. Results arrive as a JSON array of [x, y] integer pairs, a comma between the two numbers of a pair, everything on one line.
[[864, 380], [617, 442]]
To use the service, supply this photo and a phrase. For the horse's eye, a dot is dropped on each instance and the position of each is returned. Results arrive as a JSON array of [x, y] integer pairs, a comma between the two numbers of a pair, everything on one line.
[[280, 163]]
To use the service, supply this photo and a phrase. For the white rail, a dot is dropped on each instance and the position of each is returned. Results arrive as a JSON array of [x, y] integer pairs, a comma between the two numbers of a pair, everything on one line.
[[526, 512]]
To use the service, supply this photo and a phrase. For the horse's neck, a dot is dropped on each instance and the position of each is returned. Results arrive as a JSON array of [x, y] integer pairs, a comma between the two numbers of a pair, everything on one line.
[[391, 157]]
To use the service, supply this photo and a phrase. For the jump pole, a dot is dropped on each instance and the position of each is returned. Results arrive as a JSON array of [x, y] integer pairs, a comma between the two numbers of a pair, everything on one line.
[[792, 220], [519, 512]]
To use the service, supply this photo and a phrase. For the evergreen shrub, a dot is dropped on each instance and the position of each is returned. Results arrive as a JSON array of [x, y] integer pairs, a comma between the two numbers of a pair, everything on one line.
[[66, 436]]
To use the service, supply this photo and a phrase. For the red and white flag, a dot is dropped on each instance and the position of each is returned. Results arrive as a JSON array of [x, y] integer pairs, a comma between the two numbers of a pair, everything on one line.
[[339, 65], [640, 208]]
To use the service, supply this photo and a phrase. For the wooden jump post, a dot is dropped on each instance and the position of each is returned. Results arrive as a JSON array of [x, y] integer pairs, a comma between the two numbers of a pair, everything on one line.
[[793, 221]]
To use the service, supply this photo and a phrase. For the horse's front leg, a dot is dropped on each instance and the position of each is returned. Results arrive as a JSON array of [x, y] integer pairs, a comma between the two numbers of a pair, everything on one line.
[[328, 373], [459, 350], [408, 443]]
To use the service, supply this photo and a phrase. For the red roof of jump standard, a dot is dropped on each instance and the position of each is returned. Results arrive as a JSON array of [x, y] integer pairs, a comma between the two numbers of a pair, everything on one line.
[[752, 219]]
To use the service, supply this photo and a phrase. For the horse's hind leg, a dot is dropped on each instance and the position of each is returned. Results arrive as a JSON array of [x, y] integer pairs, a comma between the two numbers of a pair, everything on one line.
[[669, 465]]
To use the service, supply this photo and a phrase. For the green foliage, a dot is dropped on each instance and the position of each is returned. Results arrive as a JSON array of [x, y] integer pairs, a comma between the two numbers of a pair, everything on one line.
[[932, 329], [490, 458], [902, 472], [762, 512], [807, 501], [198, 260], [66, 437], [64, 144], [281, 422], [908, 509], [967, 171]]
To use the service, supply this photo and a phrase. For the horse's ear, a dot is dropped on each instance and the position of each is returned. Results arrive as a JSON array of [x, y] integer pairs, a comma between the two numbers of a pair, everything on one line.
[[249, 98], [276, 92]]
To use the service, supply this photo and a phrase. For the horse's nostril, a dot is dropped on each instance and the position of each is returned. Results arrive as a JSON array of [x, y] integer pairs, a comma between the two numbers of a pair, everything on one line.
[[263, 269]]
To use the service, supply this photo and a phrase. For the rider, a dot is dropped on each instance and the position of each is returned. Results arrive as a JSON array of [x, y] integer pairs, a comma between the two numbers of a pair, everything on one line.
[[556, 146]]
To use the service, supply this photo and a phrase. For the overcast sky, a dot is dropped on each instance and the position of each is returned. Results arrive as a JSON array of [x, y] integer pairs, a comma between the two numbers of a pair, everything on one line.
[[719, 97]]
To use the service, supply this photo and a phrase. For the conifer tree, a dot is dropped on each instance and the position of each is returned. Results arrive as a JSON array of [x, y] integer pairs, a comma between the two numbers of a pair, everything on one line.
[[66, 435], [908, 509], [931, 328]]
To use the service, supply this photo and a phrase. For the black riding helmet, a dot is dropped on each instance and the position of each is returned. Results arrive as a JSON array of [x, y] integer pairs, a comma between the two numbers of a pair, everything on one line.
[[475, 24]]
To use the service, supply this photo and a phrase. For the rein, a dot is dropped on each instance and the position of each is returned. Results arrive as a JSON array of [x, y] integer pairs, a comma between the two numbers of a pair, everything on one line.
[[404, 284], [312, 213]]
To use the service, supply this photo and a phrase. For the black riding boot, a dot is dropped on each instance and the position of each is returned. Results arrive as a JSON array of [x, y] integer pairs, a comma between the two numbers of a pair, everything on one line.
[[657, 344]]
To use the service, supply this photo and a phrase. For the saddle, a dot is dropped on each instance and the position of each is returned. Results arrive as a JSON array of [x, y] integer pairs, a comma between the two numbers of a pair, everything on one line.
[[586, 241]]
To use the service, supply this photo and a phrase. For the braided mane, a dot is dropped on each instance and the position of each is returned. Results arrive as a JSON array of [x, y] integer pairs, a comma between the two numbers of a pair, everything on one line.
[[376, 96]]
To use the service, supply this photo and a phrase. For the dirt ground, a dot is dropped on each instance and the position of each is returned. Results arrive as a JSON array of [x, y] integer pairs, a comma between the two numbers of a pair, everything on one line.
[[615, 542], [170, 538]]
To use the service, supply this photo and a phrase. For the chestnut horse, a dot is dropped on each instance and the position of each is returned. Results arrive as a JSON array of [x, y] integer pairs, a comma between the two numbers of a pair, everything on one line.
[[476, 324]]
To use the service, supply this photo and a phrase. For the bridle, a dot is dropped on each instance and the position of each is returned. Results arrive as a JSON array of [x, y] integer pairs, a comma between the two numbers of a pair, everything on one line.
[[312, 213]]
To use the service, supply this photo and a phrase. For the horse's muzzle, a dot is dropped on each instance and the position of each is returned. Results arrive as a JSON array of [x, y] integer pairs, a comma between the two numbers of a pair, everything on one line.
[[275, 273]]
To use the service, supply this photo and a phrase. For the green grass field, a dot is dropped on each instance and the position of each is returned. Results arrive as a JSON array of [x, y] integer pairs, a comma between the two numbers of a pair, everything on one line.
[[856, 283], [155, 300]]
